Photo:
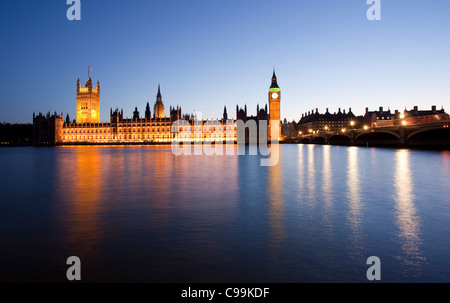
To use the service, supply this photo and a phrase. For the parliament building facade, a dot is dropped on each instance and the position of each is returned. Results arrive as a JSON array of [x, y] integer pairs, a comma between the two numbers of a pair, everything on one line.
[[87, 128]]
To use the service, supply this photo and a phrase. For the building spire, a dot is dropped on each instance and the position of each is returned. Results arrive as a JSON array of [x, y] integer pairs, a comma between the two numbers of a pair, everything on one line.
[[158, 110], [158, 96], [274, 80]]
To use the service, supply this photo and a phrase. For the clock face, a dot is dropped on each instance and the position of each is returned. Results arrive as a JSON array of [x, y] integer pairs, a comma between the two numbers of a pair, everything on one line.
[[274, 95]]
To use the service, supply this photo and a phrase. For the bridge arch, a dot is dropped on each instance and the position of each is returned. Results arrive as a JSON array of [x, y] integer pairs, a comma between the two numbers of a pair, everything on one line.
[[318, 140], [431, 137], [419, 131], [377, 138], [378, 132], [305, 140], [339, 139]]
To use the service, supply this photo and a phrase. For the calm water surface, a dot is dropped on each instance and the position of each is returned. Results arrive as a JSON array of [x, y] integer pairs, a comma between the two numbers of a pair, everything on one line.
[[142, 214]]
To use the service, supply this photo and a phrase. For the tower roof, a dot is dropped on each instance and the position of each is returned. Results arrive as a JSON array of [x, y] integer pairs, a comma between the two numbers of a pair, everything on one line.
[[159, 106], [158, 95], [274, 80], [159, 92]]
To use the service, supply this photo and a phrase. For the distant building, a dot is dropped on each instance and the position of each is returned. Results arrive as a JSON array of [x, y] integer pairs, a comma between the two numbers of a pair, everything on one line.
[[415, 112], [313, 121], [261, 114], [382, 117], [47, 130], [17, 134], [416, 116], [289, 129]]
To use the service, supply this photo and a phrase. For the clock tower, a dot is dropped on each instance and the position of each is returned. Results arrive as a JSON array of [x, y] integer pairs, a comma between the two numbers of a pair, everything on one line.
[[274, 104]]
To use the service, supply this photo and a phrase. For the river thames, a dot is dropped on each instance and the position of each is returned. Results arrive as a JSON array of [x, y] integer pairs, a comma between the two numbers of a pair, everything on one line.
[[143, 214]]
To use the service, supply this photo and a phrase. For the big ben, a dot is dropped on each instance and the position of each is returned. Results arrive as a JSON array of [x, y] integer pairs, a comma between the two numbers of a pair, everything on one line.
[[274, 104]]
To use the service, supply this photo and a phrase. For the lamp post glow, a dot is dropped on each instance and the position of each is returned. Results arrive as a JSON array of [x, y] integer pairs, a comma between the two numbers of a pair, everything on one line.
[[402, 117]]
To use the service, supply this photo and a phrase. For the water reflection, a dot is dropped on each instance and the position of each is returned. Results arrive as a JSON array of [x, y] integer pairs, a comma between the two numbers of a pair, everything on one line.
[[353, 195], [276, 209], [311, 176], [80, 190], [327, 188], [446, 164], [408, 220], [196, 216], [300, 172]]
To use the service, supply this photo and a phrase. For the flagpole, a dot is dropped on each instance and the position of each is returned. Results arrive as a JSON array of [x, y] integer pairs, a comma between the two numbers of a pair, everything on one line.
[[88, 72]]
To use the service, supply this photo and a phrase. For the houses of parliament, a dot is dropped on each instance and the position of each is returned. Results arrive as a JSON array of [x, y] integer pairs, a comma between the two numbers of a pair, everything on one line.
[[53, 129]]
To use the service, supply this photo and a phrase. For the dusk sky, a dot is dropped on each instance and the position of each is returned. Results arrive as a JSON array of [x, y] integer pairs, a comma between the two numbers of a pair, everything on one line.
[[209, 54]]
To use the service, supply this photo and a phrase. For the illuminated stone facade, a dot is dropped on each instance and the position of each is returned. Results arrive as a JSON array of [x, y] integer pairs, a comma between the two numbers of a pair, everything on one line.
[[88, 102], [138, 130], [158, 129]]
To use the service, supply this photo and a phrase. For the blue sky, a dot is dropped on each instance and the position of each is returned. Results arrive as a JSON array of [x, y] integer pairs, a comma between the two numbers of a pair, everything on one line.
[[211, 53]]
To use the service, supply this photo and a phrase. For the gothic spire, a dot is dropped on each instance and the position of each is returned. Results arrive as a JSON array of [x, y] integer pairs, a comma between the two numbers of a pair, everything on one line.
[[274, 80], [158, 96]]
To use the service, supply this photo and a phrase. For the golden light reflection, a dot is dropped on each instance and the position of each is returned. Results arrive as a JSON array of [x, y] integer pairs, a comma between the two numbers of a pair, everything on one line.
[[300, 172], [204, 178], [159, 166], [199, 184], [408, 220], [327, 188], [276, 207], [354, 198], [311, 176], [80, 190]]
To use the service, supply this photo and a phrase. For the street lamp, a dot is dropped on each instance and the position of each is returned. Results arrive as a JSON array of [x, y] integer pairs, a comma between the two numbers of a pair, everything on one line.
[[402, 117], [352, 123]]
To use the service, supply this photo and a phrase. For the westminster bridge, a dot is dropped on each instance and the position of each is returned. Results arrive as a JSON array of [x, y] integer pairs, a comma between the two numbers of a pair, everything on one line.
[[435, 134]]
